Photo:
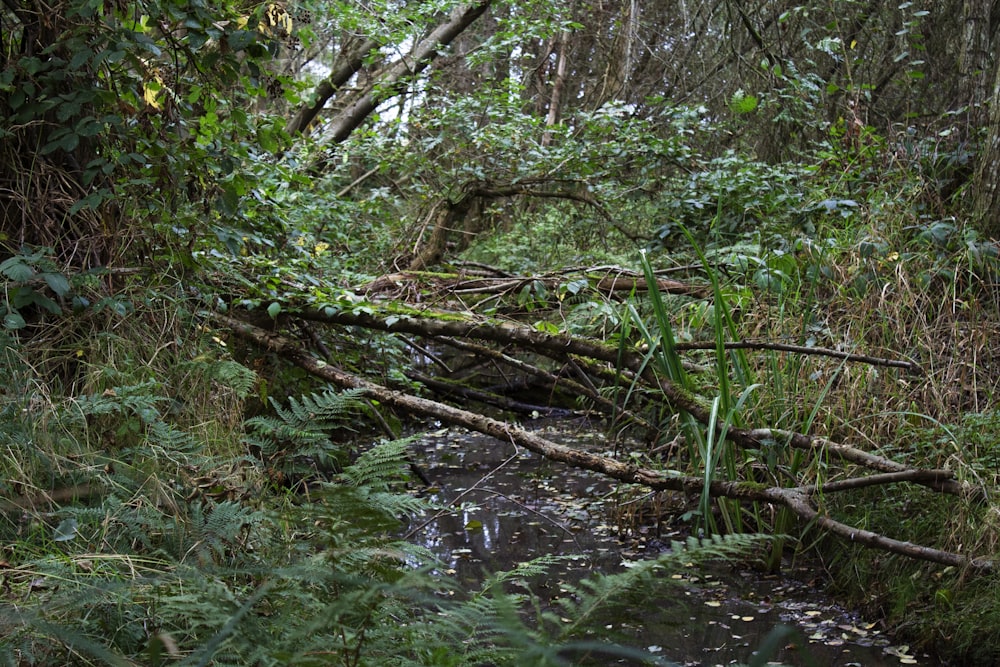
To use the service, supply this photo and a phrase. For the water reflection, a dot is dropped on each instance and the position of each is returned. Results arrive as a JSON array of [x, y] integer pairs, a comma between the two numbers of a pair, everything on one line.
[[510, 509]]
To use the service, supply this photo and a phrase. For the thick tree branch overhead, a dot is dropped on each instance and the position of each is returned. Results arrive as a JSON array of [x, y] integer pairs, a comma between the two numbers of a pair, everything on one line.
[[387, 82], [329, 87]]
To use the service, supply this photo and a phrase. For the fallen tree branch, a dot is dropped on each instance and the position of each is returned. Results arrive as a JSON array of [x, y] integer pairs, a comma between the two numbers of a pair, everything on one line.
[[552, 380], [443, 324], [848, 453], [801, 349], [503, 402], [609, 284], [797, 499]]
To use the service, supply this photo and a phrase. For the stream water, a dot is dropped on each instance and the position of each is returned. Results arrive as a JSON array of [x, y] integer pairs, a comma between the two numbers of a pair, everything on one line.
[[515, 506]]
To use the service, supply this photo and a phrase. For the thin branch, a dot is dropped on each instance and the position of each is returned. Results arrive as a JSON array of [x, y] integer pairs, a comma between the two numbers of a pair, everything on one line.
[[879, 479], [801, 349]]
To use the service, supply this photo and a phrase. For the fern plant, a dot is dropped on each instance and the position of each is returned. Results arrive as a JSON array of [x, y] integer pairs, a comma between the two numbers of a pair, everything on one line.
[[156, 571], [296, 440]]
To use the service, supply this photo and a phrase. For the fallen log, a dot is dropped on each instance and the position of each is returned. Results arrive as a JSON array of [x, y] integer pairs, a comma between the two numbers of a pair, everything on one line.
[[443, 324], [797, 499], [607, 282]]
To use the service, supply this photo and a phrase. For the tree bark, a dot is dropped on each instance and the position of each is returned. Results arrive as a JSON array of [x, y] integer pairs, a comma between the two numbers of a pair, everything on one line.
[[555, 100], [974, 64], [387, 83], [308, 112], [987, 180]]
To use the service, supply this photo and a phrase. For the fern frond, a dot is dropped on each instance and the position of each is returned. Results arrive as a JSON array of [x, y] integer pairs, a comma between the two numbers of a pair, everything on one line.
[[610, 592], [535, 567], [715, 547], [237, 377], [377, 467], [302, 430], [318, 411]]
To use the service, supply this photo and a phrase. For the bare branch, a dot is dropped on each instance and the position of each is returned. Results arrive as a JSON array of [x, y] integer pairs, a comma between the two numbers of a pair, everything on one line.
[[802, 349], [383, 86]]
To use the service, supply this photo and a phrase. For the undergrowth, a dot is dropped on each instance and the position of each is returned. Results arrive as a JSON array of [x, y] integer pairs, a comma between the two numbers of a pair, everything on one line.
[[881, 274], [134, 533]]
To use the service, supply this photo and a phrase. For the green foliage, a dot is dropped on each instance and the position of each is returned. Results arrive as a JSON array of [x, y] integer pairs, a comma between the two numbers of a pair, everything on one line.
[[742, 103], [823, 208], [29, 276], [149, 569], [297, 440], [140, 111]]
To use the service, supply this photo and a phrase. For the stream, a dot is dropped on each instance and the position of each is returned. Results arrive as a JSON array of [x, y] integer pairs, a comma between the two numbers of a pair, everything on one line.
[[515, 506]]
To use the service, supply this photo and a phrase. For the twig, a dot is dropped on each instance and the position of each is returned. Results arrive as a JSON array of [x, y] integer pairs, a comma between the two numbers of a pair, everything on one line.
[[801, 349], [438, 361]]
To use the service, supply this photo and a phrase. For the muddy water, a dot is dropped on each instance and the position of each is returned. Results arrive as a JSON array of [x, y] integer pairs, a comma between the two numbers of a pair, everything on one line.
[[515, 506]]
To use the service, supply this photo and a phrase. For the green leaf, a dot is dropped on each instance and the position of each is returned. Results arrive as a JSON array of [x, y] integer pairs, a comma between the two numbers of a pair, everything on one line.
[[267, 139], [274, 309], [229, 202], [65, 531], [57, 282], [92, 201], [66, 141], [16, 269], [46, 303], [14, 321], [81, 56], [240, 39]]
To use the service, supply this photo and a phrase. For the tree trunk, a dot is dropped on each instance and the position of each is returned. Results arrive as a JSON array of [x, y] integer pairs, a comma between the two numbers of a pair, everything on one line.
[[986, 187], [383, 84], [555, 101], [974, 65]]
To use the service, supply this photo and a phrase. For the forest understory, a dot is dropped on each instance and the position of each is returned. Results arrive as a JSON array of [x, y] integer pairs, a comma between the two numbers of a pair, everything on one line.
[[755, 242]]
